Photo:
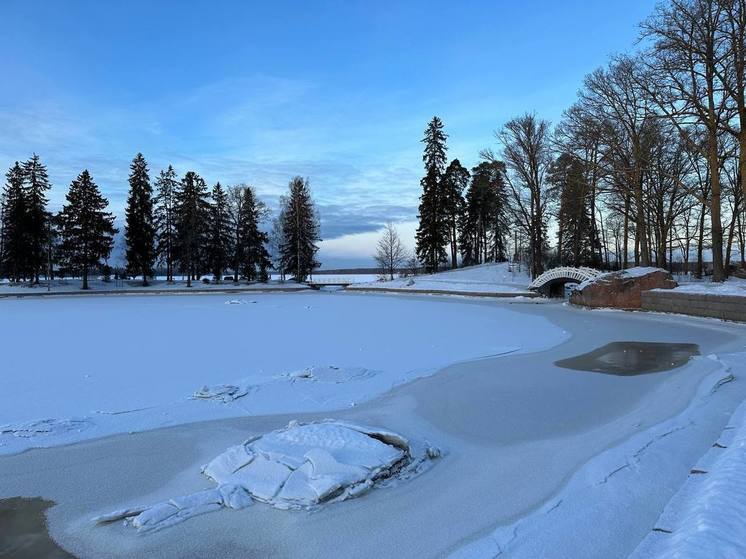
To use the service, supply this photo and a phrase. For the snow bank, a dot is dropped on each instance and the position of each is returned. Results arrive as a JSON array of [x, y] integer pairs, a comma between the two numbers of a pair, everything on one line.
[[300, 466], [485, 278], [707, 517]]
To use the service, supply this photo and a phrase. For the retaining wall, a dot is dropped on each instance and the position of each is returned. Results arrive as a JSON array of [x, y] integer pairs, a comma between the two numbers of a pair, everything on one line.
[[726, 307]]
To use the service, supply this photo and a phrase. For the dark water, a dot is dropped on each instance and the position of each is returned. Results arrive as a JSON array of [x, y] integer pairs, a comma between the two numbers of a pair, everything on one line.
[[632, 358], [23, 530]]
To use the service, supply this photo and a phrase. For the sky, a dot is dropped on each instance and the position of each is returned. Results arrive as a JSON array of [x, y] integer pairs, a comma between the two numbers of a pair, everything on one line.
[[258, 92]]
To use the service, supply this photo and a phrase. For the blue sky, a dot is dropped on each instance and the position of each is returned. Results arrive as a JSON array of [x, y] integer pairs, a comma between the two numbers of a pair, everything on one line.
[[258, 92]]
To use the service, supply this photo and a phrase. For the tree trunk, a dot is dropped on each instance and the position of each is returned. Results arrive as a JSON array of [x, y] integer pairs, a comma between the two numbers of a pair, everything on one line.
[[718, 273]]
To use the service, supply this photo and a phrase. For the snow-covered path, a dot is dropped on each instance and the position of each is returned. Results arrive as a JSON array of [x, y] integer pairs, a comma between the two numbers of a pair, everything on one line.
[[515, 429]]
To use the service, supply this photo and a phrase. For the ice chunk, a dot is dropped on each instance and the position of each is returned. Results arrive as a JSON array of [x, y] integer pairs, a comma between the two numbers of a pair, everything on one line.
[[300, 466]]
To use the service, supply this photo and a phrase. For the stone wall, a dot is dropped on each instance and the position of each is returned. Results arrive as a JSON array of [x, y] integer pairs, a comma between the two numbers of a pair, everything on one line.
[[726, 307]]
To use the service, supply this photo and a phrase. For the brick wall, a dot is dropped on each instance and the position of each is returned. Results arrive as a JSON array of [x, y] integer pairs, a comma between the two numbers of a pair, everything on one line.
[[726, 307]]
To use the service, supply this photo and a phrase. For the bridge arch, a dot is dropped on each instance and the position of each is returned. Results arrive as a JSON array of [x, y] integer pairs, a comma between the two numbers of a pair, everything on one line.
[[550, 282]]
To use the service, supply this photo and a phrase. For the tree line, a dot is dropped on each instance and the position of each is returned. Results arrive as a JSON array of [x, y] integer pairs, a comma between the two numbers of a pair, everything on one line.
[[178, 224], [645, 168]]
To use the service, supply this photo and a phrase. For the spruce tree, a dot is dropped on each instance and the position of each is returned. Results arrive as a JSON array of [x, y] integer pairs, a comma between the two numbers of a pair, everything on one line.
[[15, 240], [454, 182], [432, 232], [220, 241], [164, 219], [36, 184], [255, 261], [483, 223], [87, 230], [191, 213], [140, 228], [300, 231]]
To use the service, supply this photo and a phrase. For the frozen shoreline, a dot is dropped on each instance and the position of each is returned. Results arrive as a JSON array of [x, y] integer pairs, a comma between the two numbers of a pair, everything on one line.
[[503, 458]]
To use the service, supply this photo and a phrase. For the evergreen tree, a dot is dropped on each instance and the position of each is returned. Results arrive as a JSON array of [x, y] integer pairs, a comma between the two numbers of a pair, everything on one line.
[[164, 219], [140, 228], [255, 261], [15, 241], [433, 230], [191, 213], [300, 230], [220, 241], [454, 182], [483, 223], [36, 184], [575, 232], [87, 230]]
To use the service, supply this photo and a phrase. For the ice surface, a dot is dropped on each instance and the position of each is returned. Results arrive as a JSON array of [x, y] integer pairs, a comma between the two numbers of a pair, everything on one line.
[[201, 359], [300, 466]]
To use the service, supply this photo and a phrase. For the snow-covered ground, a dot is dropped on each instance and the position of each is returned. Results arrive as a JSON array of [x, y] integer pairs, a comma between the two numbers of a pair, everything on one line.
[[535, 461], [733, 286], [500, 278], [158, 285], [82, 368]]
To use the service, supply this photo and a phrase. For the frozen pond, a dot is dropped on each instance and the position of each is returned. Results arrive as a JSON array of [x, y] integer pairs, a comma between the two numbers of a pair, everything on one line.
[[513, 427]]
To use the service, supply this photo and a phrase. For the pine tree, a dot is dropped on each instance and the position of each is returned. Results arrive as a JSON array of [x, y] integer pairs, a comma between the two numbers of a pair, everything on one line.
[[140, 228], [255, 262], [15, 241], [454, 182], [36, 184], [220, 241], [164, 219], [300, 230], [433, 230], [191, 213], [87, 230]]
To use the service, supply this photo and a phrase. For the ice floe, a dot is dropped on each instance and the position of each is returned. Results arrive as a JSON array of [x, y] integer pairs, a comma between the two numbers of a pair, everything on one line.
[[300, 466]]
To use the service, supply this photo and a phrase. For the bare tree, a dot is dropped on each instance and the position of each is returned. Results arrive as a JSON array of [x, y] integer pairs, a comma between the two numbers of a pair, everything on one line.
[[527, 156], [390, 253], [685, 84]]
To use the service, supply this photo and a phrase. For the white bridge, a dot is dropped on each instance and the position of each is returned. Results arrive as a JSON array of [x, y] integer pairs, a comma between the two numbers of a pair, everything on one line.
[[551, 279]]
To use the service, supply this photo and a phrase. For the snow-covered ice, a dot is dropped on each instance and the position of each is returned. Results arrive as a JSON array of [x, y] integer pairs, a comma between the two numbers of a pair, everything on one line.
[[123, 364], [300, 466]]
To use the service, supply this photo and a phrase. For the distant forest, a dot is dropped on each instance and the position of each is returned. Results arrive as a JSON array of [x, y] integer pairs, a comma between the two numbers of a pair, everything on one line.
[[646, 167], [178, 224]]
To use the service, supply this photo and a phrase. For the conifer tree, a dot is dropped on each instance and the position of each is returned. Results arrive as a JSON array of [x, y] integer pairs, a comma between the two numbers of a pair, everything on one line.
[[220, 240], [255, 262], [433, 231], [87, 230], [454, 182], [140, 228], [191, 213], [15, 241], [300, 231], [36, 184], [164, 219]]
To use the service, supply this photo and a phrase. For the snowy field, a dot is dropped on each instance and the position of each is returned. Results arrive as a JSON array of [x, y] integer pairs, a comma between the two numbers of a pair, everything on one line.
[[487, 446], [487, 278]]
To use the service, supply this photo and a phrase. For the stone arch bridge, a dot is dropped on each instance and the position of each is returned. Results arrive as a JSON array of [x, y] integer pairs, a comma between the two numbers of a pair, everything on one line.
[[552, 282]]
